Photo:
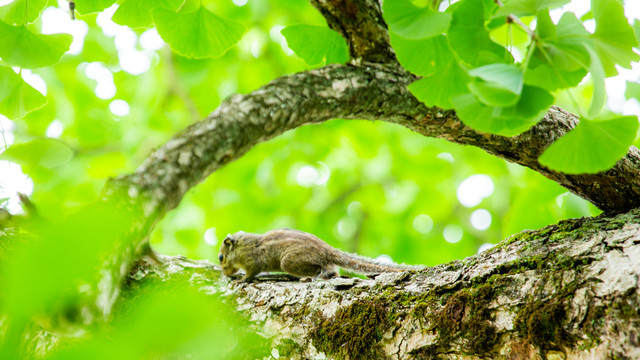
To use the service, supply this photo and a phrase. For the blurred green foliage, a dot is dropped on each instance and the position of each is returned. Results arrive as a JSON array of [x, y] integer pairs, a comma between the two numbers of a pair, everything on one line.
[[366, 183], [367, 187]]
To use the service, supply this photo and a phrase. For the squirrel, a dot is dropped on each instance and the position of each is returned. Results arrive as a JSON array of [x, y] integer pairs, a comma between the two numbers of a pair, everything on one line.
[[295, 252]]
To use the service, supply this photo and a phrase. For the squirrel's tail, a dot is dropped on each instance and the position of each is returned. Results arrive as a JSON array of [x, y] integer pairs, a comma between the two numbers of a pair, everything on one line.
[[364, 265]]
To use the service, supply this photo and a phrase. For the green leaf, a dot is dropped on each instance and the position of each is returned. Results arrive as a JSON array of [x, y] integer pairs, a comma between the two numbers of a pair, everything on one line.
[[470, 39], [438, 88], [422, 57], [413, 22], [552, 79], [632, 91], [593, 146], [563, 46], [497, 84], [92, 6], [49, 153], [17, 98], [636, 29], [506, 121], [22, 12], [597, 77], [199, 34], [528, 7], [137, 13], [614, 37], [316, 44], [20, 47]]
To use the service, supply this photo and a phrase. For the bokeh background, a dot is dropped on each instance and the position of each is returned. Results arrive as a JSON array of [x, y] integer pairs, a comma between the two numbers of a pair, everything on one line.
[[367, 187]]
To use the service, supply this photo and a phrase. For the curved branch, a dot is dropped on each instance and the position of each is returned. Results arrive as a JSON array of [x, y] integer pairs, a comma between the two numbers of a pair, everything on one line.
[[371, 92]]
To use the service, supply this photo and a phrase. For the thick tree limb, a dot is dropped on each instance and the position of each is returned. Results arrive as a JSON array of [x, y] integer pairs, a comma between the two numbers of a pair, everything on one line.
[[568, 291], [372, 92]]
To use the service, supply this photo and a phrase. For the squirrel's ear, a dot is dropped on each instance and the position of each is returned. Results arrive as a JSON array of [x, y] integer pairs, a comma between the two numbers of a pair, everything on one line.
[[229, 240]]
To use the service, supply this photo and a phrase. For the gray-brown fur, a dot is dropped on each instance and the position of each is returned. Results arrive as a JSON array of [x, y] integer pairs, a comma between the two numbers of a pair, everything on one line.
[[295, 252]]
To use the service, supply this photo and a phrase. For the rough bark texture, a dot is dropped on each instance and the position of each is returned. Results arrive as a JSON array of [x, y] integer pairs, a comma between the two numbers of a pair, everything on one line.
[[360, 22], [568, 291]]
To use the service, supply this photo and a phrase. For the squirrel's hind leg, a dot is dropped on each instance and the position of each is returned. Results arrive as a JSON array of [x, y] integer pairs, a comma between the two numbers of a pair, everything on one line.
[[328, 272]]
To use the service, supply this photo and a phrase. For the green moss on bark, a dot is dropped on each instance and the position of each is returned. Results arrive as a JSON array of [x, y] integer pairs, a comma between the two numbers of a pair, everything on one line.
[[354, 332], [541, 325]]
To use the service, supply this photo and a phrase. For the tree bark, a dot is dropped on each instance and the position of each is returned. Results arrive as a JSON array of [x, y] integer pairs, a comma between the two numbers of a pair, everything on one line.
[[568, 291]]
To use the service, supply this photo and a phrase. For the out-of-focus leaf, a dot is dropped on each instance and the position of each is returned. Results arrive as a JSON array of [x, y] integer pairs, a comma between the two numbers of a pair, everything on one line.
[[632, 90], [199, 34], [107, 165], [137, 13], [528, 7], [49, 153], [22, 12], [593, 146], [597, 76], [316, 44], [17, 98], [79, 242], [20, 47], [413, 22], [92, 6], [636, 29], [614, 38]]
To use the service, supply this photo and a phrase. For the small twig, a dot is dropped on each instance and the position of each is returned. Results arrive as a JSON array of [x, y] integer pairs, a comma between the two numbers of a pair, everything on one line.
[[516, 20]]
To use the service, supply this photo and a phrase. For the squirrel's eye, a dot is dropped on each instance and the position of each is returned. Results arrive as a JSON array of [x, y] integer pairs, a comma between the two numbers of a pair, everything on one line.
[[220, 257]]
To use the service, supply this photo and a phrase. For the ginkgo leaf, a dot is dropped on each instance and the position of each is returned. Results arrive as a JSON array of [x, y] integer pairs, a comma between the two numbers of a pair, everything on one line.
[[497, 84], [528, 7], [137, 13], [593, 146], [438, 88], [470, 39], [614, 38], [199, 34], [17, 98], [413, 22], [92, 6], [552, 79], [597, 76], [46, 152], [563, 46], [632, 91], [20, 47], [424, 56], [316, 44], [22, 12], [506, 121]]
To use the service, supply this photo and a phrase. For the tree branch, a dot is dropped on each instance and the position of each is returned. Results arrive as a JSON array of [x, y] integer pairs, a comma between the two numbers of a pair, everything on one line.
[[360, 22], [551, 293], [371, 92]]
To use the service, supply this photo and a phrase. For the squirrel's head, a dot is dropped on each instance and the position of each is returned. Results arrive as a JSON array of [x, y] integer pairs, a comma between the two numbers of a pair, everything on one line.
[[226, 254]]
